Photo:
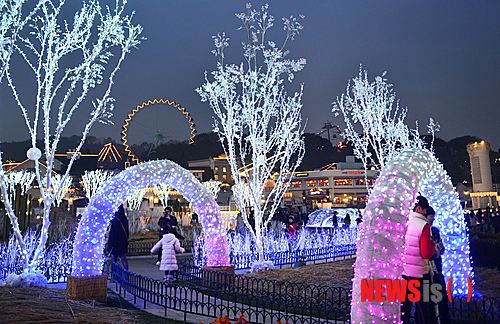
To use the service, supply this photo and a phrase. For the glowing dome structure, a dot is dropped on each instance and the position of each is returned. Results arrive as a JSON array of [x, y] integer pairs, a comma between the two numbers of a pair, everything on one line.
[[323, 217]]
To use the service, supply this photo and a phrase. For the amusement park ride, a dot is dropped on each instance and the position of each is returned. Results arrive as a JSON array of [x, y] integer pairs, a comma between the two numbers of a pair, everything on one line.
[[158, 137]]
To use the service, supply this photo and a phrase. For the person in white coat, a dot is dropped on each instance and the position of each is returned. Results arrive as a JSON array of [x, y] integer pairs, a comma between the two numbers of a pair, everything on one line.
[[169, 245]]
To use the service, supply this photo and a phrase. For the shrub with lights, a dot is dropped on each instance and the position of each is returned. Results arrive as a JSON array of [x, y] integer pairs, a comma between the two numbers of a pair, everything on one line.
[[88, 257]]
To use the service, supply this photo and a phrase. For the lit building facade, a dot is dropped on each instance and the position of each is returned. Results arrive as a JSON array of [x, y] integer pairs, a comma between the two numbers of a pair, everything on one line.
[[218, 166], [337, 185]]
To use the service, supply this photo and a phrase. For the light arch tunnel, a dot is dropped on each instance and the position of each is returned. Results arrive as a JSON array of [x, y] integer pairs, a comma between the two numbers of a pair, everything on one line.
[[381, 237], [88, 256]]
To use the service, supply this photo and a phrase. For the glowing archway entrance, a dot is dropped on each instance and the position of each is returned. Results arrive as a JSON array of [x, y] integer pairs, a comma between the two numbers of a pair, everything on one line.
[[381, 237], [89, 243]]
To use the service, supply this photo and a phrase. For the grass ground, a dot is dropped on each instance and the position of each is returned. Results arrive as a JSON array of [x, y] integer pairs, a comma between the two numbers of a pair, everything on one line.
[[341, 273], [45, 305]]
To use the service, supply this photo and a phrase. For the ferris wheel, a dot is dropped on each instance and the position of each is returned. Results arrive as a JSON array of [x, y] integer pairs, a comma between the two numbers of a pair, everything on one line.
[[158, 137]]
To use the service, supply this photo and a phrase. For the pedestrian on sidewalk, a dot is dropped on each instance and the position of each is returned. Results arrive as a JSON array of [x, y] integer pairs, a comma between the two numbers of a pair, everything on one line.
[[169, 245], [118, 237]]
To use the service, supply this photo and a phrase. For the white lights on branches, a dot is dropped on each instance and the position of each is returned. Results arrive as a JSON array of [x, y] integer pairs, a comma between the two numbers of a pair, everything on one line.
[[213, 187], [162, 192], [258, 122], [59, 187], [375, 123], [88, 256], [92, 180], [97, 39], [134, 201], [22, 178]]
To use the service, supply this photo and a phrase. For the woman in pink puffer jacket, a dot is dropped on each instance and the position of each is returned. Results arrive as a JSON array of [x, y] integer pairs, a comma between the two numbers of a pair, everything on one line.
[[170, 245]]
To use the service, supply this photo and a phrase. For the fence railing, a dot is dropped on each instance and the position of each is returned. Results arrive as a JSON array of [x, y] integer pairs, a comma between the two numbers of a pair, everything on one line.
[[144, 247], [245, 261], [215, 294]]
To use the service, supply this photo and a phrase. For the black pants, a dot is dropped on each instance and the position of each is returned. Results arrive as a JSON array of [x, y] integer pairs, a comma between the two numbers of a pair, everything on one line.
[[424, 311], [444, 312]]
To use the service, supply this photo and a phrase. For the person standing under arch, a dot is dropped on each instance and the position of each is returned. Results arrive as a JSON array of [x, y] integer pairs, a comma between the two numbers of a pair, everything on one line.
[[436, 263], [118, 237], [419, 248]]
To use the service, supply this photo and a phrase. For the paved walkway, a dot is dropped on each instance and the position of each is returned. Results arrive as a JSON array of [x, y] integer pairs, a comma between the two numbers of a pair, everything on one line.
[[146, 266]]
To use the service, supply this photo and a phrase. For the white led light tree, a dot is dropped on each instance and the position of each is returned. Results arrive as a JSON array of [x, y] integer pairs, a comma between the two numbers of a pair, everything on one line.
[[375, 123], [22, 178], [162, 191], [213, 187], [92, 180], [258, 123], [70, 62], [134, 201]]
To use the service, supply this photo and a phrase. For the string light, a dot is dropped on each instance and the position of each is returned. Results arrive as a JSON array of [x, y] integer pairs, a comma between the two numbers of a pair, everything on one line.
[[88, 256], [382, 233]]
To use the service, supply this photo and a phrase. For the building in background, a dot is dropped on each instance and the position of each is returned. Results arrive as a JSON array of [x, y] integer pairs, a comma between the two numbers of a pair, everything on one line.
[[342, 184], [216, 168], [483, 193]]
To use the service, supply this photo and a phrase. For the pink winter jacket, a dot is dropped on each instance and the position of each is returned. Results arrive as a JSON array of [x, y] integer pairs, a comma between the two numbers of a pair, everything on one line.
[[169, 244]]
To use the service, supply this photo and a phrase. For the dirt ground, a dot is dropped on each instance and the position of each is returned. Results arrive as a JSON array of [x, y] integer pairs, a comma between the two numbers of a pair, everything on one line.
[[341, 273], [45, 305]]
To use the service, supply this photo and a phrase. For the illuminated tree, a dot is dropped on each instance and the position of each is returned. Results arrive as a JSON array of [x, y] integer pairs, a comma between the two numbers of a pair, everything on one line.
[[68, 60], [258, 122], [22, 178], [92, 180], [375, 123], [213, 187], [162, 191]]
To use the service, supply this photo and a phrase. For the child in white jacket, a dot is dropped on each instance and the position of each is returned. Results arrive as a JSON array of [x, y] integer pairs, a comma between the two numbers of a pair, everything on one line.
[[170, 245]]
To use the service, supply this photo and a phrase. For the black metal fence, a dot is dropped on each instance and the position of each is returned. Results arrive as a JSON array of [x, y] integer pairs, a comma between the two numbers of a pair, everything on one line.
[[144, 247], [290, 257], [216, 294]]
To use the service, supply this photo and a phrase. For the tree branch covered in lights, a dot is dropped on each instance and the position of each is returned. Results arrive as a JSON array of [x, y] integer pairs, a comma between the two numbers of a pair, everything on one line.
[[213, 187], [134, 201], [92, 180], [258, 122], [162, 191], [70, 61], [375, 123], [22, 178]]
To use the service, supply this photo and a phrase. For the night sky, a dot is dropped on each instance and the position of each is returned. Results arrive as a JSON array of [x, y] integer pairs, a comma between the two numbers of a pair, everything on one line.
[[443, 58]]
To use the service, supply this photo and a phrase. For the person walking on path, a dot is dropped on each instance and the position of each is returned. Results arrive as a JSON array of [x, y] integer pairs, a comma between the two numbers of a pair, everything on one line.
[[118, 237], [167, 224], [419, 248], [168, 245]]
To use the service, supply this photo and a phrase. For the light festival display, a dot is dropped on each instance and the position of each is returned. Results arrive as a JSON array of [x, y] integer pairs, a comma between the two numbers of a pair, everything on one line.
[[88, 256], [381, 237]]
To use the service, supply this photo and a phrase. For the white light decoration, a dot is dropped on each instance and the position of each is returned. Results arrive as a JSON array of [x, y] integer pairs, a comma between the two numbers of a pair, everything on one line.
[[381, 236], [59, 187], [375, 123], [34, 154], [73, 64], [243, 244], [22, 178], [92, 180], [162, 192], [134, 201], [213, 187], [258, 122], [88, 256]]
